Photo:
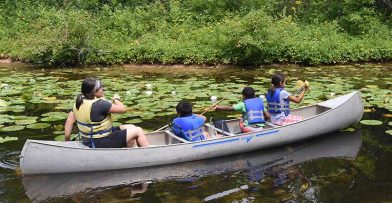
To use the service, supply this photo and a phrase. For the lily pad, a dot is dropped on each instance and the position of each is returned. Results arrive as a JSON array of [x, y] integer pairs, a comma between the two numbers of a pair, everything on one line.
[[12, 128], [348, 130], [53, 118], [135, 121], [390, 123], [38, 126], [25, 122], [8, 139], [3, 103], [52, 114], [388, 132], [371, 122], [62, 137]]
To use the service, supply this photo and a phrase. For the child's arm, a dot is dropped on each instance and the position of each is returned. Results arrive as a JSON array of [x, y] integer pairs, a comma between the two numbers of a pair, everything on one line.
[[224, 108], [267, 115], [297, 98]]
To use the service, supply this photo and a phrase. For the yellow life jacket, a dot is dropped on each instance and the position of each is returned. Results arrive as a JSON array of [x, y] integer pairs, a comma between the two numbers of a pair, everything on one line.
[[88, 128]]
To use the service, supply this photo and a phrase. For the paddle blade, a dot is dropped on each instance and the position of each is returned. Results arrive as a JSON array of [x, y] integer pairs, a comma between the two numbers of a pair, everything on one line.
[[299, 84], [307, 83]]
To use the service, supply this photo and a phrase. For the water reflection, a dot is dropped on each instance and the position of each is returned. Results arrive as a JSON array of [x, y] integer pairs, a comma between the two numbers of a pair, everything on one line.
[[258, 164]]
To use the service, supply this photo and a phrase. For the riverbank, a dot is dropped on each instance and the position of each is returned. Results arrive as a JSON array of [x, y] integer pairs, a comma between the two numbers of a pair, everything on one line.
[[244, 33]]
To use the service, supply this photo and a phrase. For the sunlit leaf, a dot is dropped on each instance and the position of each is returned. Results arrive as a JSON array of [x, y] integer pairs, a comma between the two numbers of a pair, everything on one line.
[[12, 128], [8, 139], [38, 126], [370, 122]]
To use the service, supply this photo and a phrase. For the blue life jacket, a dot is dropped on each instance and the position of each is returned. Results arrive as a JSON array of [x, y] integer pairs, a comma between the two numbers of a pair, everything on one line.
[[188, 128], [275, 105], [254, 110]]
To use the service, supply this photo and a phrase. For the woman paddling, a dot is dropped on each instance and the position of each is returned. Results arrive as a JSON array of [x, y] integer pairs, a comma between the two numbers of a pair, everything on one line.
[[93, 116]]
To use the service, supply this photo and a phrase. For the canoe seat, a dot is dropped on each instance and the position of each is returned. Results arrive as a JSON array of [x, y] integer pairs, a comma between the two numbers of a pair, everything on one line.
[[220, 124], [175, 138]]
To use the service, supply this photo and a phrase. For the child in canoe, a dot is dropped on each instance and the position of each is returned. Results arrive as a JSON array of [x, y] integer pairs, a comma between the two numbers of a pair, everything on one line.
[[253, 112], [278, 101], [188, 125]]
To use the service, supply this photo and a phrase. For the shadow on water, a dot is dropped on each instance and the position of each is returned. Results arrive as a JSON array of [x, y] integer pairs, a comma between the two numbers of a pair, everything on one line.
[[338, 145]]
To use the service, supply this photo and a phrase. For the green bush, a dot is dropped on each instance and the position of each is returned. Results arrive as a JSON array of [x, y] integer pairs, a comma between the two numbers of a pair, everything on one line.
[[242, 32]]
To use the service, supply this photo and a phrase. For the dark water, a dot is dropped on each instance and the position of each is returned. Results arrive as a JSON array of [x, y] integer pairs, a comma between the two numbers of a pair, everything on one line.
[[340, 167]]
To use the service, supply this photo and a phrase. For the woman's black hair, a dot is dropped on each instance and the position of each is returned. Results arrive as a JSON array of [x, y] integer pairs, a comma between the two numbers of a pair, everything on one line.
[[184, 108], [276, 79], [89, 86], [248, 93]]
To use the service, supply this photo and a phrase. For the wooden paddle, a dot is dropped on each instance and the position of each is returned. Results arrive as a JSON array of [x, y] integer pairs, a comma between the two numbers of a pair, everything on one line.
[[205, 111]]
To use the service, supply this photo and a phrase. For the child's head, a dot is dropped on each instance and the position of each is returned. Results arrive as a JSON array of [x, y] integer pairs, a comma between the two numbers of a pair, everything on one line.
[[184, 108], [248, 93], [278, 80]]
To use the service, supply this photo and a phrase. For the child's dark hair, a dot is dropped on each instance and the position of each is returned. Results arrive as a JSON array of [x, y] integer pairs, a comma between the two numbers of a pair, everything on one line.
[[89, 85], [276, 79], [184, 108], [248, 93]]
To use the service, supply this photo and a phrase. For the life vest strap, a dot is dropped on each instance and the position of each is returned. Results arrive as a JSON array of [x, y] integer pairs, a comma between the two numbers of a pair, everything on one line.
[[255, 115], [194, 133], [92, 134], [89, 124], [190, 133]]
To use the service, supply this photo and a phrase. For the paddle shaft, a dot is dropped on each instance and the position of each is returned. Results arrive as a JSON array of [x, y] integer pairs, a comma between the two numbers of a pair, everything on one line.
[[205, 111], [211, 107]]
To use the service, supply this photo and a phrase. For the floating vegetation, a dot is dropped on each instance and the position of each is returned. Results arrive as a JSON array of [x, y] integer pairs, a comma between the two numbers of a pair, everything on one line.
[[62, 137], [370, 122], [348, 130], [135, 121], [54, 116], [25, 122], [8, 139], [12, 128], [38, 126], [388, 132]]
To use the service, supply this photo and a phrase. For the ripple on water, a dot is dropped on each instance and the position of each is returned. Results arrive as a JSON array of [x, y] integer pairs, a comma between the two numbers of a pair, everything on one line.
[[9, 160]]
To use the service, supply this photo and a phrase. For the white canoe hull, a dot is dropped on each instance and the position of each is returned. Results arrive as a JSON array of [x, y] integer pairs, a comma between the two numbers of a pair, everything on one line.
[[39, 157], [338, 145]]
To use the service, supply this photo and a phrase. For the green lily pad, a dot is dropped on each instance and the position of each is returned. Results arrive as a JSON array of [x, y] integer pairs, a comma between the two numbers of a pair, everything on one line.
[[115, 124], [25, 122], [38, 126], [371, 122], [12, 128], [55, 114], [3, 103], [8, 139], [348, 130], [390, 123], [388, 132], [53, 118], [62, 137], [58, 132], [135, 121]]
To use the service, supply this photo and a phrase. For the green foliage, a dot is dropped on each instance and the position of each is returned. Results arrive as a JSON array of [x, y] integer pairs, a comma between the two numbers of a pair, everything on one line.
[[243, 32]]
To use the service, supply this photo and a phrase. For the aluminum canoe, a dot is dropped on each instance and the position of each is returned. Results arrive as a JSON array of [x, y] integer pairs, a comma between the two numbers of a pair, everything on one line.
[[341, 145], [40, 157]]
